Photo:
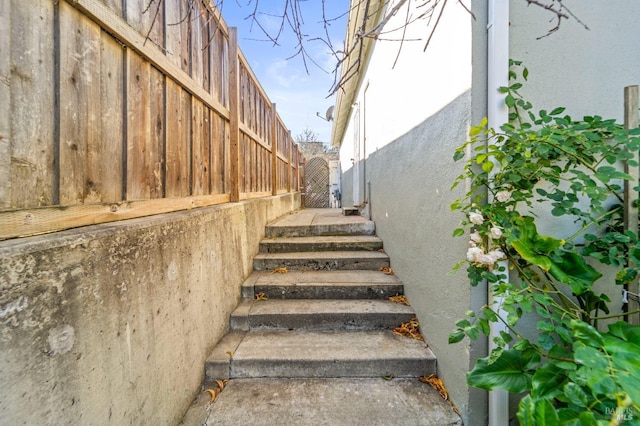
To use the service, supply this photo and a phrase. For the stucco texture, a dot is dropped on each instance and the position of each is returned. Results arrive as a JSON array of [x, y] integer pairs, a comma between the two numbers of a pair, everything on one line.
[[410, 198], [111, 324]]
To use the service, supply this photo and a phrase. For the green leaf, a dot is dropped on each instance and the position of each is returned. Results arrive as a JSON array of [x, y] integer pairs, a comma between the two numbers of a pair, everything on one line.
[[587, 419], [526, 411], [510, 101], [572, 269], [547, 381], [576, 395], [591, 357], [557, 111], [457, 232], [512, 372], [626, 275], [456, 336], [487, 166], [489, 314], [546, 414], [586, 334]]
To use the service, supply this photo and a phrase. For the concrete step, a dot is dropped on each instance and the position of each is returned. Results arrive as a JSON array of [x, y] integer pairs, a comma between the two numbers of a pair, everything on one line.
[[322, 314], [357, 284], [314, 222], [321, 243], [336, 402], [326, 354], [321, 260]]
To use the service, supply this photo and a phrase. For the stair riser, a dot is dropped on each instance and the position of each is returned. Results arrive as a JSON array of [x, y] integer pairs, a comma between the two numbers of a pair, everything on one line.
[[291, 247], [332, 368], [321, 321], [317, 265], [367, 228], [324, 292]]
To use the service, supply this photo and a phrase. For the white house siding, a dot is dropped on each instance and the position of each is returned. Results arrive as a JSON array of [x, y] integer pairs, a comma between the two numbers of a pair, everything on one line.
[[415, 114]]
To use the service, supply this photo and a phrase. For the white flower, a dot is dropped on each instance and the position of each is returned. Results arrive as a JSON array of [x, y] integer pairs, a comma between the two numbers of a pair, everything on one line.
[[496, 233], [474, 253], [475, 237], [490, 258], [496, 254], [503, 196], [476, 218]]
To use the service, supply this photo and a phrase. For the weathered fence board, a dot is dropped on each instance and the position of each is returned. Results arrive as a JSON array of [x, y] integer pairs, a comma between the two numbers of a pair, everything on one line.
[[107, 164], [5, 105], [117, 109], [32, 115]]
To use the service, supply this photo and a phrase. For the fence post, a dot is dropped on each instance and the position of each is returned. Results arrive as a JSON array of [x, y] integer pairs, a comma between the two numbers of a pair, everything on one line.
[[631, 106], [234, 118], [274, 150], [289, 152]]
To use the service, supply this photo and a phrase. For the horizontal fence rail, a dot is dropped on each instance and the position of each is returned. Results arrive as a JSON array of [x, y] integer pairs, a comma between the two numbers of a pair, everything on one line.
[[113, 112]]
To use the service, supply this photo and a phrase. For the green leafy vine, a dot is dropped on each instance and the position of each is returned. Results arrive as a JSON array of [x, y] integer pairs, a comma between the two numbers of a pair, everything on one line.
[[577, 370]]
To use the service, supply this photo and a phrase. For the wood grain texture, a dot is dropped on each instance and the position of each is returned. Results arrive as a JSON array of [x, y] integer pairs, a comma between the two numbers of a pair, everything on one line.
[[129, 120], [178, 167], [138, 127], [108, 165], [235, 145], [147, 18], [5, 105], [26, 222], [31, 169], [80, 129], [219, 150], [200, 146]]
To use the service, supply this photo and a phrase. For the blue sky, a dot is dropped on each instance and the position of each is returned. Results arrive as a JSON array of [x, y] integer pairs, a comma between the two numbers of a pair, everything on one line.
[[298, 95]]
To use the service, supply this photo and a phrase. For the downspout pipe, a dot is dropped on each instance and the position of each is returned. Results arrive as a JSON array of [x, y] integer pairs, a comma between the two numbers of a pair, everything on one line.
[[497, 115]]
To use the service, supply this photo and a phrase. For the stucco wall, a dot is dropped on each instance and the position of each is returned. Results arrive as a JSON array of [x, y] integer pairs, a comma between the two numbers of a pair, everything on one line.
[[111, 324], [414, 220]]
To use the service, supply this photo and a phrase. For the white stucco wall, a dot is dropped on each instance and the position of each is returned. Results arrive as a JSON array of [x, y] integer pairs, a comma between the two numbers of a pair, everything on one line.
[[584, 70], [401, 96]]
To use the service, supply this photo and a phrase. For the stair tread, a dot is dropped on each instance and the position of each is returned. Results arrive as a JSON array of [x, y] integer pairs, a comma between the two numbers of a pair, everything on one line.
[[321, 243], [324, 238], [328, 345], [327, 402], [322, 255], [321, 306], [353, 277]]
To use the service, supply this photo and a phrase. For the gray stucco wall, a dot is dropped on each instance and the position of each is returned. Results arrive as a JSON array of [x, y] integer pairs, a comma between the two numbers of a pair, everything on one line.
[[410, 198], [111, 324]]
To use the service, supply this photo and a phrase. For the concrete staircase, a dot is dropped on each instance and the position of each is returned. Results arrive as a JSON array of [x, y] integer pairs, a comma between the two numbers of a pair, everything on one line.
[[312, 345]]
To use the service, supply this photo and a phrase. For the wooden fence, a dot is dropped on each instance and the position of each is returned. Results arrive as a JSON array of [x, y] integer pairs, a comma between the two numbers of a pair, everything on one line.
[[119, 109]]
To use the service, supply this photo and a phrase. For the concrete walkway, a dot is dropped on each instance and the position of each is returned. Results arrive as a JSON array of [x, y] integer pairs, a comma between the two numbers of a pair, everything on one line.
[[317, 346]]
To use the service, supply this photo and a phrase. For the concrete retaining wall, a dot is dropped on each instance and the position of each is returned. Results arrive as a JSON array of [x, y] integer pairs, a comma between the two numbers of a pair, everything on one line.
[[111, 324]]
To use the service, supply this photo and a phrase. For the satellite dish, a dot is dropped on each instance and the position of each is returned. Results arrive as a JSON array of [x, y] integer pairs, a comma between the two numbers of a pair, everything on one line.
[[329, 113]]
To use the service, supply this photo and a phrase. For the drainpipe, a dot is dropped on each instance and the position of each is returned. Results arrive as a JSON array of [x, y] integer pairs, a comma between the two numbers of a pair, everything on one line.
[[497, 114]]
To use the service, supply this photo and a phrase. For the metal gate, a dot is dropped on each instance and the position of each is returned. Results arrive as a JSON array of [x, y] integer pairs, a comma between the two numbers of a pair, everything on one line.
[[316, 176]]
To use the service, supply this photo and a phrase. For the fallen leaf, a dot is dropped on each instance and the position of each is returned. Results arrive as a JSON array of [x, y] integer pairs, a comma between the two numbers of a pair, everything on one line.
[[388, 378], [230, 353], [399, 299], [409, 329], [387, 270], [261, 296], [282, 270], [437, 384], [213, 393]]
